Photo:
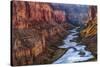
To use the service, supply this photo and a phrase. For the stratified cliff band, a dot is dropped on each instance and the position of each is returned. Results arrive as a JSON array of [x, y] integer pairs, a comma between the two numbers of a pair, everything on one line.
[[36, 30], [39, 28]]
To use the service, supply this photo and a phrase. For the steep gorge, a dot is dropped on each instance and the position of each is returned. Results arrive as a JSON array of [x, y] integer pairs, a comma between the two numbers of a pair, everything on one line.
[[38, 29], [89, 33], [35, 30]]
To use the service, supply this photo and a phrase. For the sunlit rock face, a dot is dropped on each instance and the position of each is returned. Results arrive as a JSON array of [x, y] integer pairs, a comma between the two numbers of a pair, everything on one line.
[[89, 33], [35, 26], [25, 13], [59, 16], [89, 36], [91, 26], [39, 28]]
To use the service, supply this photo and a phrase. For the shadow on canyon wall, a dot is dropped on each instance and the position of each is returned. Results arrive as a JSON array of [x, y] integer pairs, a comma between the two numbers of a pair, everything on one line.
[[39, 28]]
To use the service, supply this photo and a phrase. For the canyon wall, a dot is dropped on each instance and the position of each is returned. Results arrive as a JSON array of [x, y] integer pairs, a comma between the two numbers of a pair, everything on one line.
[[89, 33], [35, 27]]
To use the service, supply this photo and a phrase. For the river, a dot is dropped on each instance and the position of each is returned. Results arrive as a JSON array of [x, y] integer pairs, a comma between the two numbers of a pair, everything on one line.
[[76, 52]]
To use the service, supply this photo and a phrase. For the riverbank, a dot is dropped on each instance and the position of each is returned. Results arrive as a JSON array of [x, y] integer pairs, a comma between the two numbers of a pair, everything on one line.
[[75, 52], [91, 43]]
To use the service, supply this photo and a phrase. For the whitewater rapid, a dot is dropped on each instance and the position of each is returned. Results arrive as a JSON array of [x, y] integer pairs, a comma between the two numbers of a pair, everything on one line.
[[76, 52]]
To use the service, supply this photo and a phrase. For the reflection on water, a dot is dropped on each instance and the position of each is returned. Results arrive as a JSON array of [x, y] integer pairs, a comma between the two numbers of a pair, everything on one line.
[[75, 51]]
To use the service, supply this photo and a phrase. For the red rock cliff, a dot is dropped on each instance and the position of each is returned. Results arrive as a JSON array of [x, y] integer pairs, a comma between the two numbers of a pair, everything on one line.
[[33, 28]]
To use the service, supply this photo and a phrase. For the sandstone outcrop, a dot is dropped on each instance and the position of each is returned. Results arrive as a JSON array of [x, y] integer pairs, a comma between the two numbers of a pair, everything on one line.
[[35, 26], [89, 33]]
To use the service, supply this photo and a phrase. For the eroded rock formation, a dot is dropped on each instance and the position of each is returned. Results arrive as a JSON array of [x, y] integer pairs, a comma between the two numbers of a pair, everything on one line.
[[34, 28], [89, 33]]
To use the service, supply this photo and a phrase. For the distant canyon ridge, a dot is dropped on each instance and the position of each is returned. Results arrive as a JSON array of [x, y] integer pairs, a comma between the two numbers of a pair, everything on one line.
[[38, 29]]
